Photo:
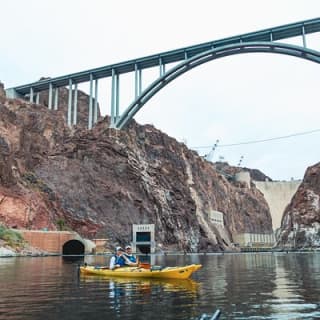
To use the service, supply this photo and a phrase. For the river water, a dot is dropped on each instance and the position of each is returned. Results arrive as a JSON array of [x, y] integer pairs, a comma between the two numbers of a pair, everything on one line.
[[242, 286]]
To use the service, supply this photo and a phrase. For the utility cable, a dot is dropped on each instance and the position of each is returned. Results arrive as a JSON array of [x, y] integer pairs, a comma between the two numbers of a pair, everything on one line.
[[260, 141]]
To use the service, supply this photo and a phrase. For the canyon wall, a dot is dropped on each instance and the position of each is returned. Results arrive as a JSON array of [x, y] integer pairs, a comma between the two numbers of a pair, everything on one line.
[[102, 181], [300, 226]]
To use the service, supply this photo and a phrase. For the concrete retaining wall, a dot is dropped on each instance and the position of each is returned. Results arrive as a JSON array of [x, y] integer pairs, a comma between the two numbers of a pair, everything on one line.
[[50, 241]]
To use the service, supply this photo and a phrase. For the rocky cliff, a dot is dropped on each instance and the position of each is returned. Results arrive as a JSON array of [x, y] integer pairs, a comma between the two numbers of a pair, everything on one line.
[[102, 181], [300, 225]]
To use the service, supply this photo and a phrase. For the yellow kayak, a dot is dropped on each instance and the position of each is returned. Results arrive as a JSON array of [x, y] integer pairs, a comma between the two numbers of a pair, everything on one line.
[[136, 272]]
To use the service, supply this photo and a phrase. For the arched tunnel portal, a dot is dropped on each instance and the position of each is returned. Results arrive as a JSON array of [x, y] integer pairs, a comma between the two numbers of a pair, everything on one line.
[[73, 247]]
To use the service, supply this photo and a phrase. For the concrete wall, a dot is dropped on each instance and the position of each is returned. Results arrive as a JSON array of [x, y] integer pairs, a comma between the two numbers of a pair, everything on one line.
[[145, 228], [50, 241], [216, 217], [255, 239], [278, 195]]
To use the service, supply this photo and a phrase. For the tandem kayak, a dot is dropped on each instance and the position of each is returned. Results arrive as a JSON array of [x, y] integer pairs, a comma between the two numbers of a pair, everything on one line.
[[136, 272]]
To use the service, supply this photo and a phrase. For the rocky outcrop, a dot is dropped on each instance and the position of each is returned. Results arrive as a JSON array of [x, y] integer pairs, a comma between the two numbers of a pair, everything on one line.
[[102, 181], [226, 169], [2, 91], [300, 226]]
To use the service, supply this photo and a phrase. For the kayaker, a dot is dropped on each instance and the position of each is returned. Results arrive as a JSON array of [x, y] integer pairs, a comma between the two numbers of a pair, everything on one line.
[[130, 259], [117, 260]]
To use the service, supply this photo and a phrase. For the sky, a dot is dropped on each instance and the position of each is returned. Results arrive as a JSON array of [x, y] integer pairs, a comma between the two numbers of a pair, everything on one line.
[[236, 99]]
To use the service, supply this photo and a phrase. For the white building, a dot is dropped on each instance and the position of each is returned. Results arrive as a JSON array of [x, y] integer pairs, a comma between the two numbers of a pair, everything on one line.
[[216, 217]]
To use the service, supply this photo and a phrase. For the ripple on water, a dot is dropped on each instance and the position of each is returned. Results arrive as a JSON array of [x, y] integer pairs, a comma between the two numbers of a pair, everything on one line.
[[250, 286]]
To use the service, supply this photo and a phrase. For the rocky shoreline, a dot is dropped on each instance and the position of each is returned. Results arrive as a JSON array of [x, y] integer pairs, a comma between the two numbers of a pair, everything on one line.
[[26, 250]]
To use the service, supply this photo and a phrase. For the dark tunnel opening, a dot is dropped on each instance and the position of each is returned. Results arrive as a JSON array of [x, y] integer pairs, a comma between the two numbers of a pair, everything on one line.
[[73, 247], [145, 249]]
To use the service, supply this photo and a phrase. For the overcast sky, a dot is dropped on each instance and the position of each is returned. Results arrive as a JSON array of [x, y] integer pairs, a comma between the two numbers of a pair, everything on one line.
[[235, 99]]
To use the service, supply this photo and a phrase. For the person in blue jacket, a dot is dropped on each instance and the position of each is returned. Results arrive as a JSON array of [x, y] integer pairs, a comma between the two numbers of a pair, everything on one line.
[[117, 260], [130, 259]]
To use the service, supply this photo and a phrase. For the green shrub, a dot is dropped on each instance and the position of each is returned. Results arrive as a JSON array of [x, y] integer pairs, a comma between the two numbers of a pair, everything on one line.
[[11, 237], [60, 224]]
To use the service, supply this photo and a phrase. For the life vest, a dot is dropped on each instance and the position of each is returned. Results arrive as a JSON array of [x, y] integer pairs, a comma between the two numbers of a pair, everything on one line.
[[120, 261], [131, 257]]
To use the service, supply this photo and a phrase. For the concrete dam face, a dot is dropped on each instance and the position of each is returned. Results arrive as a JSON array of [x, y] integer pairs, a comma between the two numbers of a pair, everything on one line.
[[278, 195]]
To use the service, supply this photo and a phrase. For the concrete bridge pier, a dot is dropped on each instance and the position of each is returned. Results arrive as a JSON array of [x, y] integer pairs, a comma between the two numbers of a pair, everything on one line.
[[137, 81], [31, 95], [69, 115], [115, 89], [75, 104]]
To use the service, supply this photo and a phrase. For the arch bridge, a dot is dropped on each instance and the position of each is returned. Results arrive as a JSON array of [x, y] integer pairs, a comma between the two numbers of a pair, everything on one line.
[[186, 59]]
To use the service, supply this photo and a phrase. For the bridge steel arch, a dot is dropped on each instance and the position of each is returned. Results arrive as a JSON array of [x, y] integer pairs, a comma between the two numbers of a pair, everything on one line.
[[266, 40], [207, 56]]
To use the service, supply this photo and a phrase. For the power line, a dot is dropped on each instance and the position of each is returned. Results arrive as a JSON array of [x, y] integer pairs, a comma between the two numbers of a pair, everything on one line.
[[263, 140]]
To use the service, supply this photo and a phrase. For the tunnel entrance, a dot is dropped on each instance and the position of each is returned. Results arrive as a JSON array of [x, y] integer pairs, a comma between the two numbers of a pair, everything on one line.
[[73, 247], [145, 249]]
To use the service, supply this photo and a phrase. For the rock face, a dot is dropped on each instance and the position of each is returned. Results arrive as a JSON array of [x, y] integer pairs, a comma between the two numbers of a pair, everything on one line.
[[102, 181], [300, 226], [255, 174], [2, 91]]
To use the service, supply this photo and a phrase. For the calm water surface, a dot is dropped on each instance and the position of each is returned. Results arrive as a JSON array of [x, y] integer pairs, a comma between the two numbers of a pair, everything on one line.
[[243, 286]]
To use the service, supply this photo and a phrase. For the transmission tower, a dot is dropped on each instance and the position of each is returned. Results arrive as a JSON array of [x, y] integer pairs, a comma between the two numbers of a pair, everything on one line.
[[240, 161], [209, 156]]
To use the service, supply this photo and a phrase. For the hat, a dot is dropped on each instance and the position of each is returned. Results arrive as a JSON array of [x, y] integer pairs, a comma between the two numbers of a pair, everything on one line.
[[128, 247], [119, 249]]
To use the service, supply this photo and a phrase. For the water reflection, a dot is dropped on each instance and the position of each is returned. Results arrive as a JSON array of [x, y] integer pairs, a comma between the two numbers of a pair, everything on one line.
[[145, 284], [292, 288], [244, 286]]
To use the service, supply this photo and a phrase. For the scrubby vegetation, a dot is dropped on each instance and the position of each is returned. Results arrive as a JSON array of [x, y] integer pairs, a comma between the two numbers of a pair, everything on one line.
[[10, 237]]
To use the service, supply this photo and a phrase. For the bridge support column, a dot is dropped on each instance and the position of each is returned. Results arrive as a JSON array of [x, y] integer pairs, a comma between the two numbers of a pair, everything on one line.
[[38, 98], [162, 67], [304, 42], [31, 95], [90, 103], [117, 95], [114, 98], [56, 97], [70, 103], [137, 81], [50, 97], [95, 110], [75, 104]]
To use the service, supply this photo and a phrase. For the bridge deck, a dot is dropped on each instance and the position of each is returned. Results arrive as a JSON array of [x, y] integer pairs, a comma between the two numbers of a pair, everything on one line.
[[271, 34]]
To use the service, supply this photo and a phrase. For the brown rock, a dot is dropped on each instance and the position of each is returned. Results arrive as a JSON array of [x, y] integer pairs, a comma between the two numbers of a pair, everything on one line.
[[300, 226], [102, 181], [2, 91]]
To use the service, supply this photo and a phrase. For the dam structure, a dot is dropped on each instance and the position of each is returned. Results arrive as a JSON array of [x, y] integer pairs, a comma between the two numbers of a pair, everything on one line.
[[278, 195]]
